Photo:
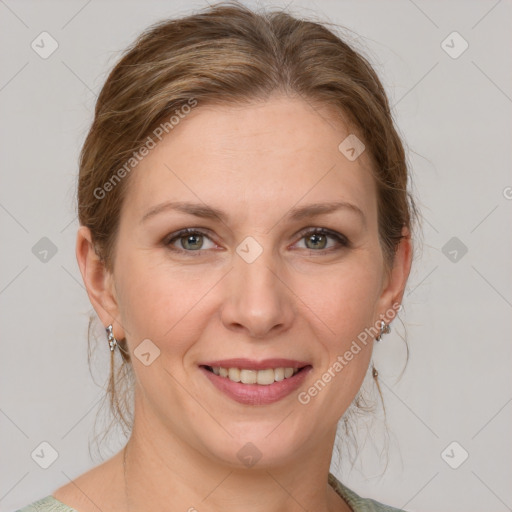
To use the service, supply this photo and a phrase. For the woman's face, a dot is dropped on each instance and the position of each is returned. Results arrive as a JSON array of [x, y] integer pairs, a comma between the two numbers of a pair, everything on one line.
[[251, 281]]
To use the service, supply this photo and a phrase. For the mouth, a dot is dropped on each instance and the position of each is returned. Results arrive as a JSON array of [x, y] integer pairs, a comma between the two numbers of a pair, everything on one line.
[[256, 383]]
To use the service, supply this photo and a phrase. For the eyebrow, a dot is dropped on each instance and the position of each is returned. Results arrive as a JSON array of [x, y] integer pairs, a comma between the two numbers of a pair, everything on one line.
[[294, 214]]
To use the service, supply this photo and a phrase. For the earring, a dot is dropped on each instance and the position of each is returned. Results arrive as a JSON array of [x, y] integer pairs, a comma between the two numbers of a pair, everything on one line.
[[384, 329], [111, 338]]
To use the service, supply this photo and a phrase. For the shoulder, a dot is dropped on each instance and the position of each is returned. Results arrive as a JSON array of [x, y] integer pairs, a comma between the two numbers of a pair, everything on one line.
[[47, 504], [96, 489], [356, 502]]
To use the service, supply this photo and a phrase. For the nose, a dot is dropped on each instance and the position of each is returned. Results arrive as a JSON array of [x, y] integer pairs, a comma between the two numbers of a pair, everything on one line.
[[258, 301]]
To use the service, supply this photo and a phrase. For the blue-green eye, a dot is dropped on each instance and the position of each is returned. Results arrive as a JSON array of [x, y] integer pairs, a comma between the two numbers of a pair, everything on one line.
[[189, 240], [193, 240], [317, 239]]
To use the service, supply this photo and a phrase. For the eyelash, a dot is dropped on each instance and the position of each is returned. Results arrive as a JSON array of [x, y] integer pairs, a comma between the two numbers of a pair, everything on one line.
[[341, 239]]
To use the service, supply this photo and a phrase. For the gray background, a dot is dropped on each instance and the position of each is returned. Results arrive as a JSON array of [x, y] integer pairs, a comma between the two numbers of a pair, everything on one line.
[[455, 115]]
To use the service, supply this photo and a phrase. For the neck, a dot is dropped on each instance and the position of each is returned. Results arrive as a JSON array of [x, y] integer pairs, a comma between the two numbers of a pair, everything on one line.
[[163, 473]]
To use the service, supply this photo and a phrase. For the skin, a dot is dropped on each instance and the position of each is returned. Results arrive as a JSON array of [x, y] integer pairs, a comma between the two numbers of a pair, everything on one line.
[[255, 162]]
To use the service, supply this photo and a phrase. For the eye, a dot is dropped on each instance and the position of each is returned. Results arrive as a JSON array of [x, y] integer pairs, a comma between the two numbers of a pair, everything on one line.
[[188, 240], [316, 239]]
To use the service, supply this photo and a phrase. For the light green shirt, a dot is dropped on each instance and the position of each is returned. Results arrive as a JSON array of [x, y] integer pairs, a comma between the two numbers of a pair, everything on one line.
[[355, 502]]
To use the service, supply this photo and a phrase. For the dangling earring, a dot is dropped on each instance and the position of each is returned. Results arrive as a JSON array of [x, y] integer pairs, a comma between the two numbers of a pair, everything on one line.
[[384, 329], [111, 338]]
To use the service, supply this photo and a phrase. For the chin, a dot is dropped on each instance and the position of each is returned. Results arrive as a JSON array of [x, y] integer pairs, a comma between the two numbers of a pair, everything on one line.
[[263, 446]]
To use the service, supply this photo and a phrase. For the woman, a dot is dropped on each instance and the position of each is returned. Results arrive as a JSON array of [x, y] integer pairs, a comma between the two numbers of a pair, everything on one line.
[[245, 236]]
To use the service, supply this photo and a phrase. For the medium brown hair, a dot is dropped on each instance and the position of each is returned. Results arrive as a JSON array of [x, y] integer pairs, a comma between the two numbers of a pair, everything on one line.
[[229, 53]]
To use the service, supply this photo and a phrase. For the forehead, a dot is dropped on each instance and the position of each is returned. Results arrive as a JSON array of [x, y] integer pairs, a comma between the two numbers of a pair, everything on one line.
[[282, 151]]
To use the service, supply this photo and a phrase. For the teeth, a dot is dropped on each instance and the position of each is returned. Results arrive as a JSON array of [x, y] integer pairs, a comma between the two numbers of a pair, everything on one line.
[[234, 374], [248, 376], [266, 377], [262, 377]]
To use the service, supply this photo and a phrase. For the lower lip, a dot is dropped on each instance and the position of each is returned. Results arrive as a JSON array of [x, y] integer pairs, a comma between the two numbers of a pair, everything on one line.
[[257, 394]]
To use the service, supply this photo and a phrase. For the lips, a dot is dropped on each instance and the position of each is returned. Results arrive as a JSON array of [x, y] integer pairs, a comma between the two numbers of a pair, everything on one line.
[[256, 382]]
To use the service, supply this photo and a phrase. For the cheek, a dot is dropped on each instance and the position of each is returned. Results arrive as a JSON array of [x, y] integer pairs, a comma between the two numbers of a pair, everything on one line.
[[346, 303], [346, 309], [161, 303], [344, 297]]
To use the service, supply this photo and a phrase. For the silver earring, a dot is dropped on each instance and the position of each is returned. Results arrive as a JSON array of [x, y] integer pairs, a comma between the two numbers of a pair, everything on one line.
[[384, 329], [111, 338]]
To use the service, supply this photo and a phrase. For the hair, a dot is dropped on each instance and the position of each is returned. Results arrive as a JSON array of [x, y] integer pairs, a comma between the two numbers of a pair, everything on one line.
[[227, 54]]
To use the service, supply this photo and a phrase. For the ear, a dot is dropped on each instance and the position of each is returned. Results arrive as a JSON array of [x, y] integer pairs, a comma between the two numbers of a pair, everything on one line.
[[395, 279], [99, 283]]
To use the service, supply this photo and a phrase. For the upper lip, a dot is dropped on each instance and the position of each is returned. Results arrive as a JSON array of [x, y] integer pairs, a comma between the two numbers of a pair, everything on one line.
[[250, 364]]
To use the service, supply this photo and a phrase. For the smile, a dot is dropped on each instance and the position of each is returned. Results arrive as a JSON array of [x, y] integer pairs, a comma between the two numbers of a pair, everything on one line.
[[264, 382], [262, 377]]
